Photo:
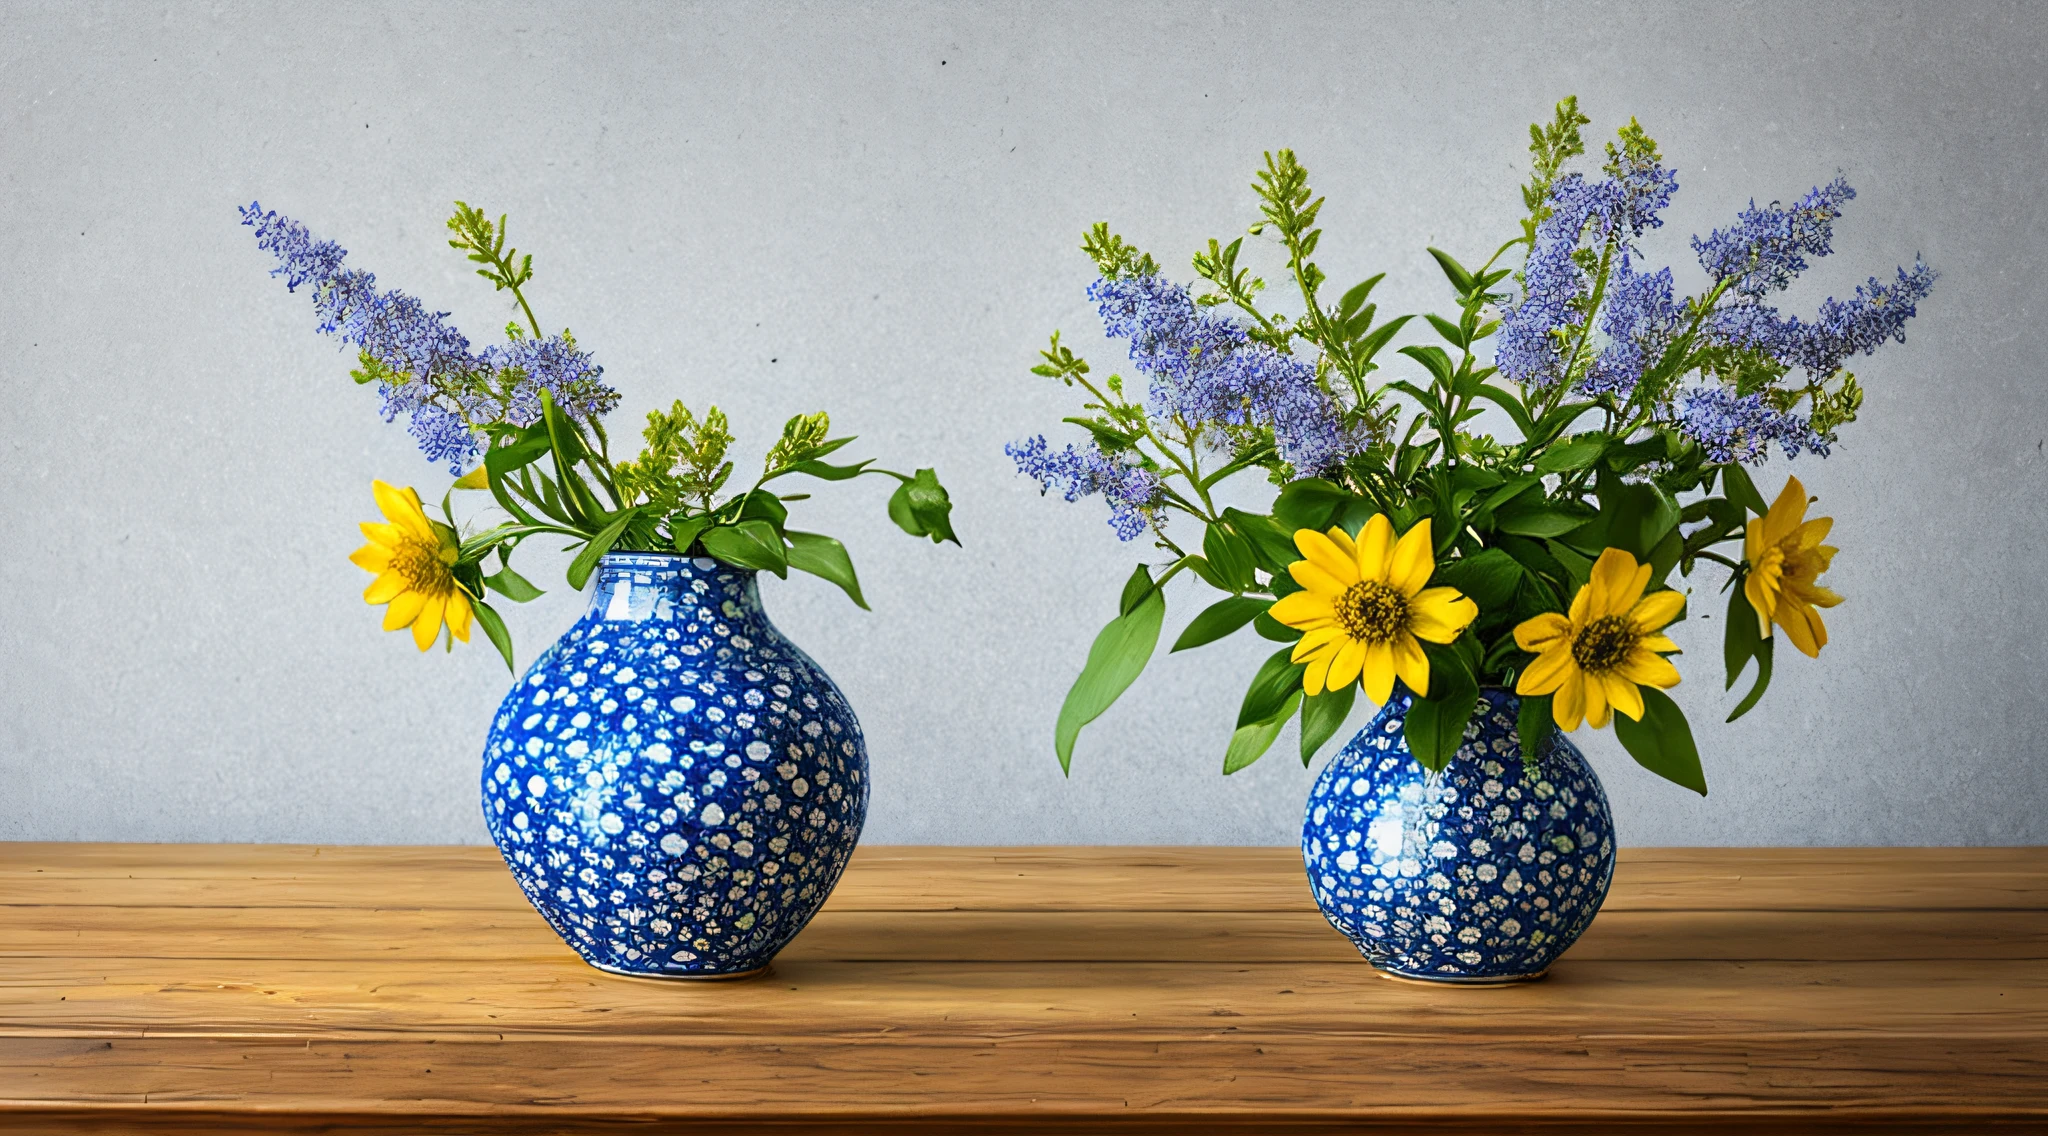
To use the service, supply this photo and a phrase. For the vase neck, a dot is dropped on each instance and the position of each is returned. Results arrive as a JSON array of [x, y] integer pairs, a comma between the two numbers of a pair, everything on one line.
[[638, 586]]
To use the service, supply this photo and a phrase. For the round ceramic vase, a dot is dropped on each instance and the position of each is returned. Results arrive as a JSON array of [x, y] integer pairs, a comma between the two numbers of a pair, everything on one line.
[[675, 786], [1479, 874]]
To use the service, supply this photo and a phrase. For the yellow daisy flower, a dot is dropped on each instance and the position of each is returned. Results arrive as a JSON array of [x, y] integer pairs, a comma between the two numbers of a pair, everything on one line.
[[1597, 659], [1363, 606], [1786, 558], [413, 562]]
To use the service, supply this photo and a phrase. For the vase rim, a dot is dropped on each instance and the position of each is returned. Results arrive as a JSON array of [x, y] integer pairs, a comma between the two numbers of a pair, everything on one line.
[[666, 555]]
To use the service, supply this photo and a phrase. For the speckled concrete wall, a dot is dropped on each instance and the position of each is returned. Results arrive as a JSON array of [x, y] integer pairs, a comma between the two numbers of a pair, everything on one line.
[[874, 209]]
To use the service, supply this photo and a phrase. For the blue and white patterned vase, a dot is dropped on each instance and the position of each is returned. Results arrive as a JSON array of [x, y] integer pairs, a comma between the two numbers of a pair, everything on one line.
[[675, 786], [1477, 874]]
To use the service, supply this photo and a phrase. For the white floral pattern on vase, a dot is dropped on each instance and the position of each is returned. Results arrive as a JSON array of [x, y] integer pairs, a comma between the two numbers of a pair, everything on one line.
[[1476, 874], [675, 786]]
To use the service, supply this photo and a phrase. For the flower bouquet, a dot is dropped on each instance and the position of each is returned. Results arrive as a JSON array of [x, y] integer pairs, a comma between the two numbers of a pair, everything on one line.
[[1492, 548], [674, 785]]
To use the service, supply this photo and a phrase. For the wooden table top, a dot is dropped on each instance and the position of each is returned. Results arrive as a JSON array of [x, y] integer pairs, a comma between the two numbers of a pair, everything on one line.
[[288, 989]]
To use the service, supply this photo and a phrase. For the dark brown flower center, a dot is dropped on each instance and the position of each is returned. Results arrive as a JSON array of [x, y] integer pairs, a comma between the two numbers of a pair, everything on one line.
[[1604, 643], [1372, 613], [420, 563]]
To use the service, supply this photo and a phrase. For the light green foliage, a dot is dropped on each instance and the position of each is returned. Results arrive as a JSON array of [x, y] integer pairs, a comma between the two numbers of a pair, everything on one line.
[[1550, 147], [484, 243], [684, 461], [1114, 258], [802, 437]]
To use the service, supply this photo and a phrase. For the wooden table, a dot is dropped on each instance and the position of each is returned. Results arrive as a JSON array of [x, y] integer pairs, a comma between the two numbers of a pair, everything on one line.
[[205, 989]]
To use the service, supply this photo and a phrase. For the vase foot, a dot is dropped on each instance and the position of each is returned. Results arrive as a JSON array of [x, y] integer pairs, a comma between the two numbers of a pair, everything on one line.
[[1455, 980], [659, 976]]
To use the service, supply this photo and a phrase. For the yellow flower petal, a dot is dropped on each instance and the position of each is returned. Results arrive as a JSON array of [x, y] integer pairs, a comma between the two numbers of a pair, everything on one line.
[[1376, 670], [1321, 640], [1439, 614], [1624, 696], [402, 508], [1802, 625], [1548, 671], [1648, 669], [427, 626], [1414, 559], [1657, 644], [1611, 576], [1323, 553], [1316, 580], [1538, 632], [1344, 667], [371, 558], [1568, 709], [1343, 541], [1375, 547], [1303, 609], [1598, 710], [384, 589], [1410, 664], [1318, 670], [403, 610], [1814, 531], [458, 614], [1786, 512], [388, 536], [1655, 610]]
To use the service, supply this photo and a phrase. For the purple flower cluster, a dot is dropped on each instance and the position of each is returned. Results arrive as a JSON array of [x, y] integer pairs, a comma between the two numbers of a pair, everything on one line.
[[1130, 489], [1640, 317], [1208, 372], [1766, 248], [446, 391], [1741, 428]]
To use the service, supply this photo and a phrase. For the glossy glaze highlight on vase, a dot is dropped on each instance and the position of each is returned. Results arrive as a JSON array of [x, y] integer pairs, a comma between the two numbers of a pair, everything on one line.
[[1476, 874], [675, 786]]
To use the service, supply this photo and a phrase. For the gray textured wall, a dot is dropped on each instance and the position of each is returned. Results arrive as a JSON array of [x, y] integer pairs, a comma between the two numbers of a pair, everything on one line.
[[874, 209]]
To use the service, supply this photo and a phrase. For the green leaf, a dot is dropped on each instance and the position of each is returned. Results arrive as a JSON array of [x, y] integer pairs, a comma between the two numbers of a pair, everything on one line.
[[1136, 589], [1433, 358], [1230, 555], [1662, 742], [1250, 742], [1273, 629], [1310, 503], [586, 560], [825, 471], [1269, 687], [1272, 546], [1533, 723], [1451, 332], [1508, 402], [1322, 716], [1578, 453], [921, 507], [512, 586], [1224, 617], [1355, 298], [494, 627], [1435, 726], [1370, 346], [747, 545], [1742, 641], [1117, 657], [1488, 578], [1538, 518], [826, 559], [765, 506], [683, 531], [1460, 278], [1737, 487]]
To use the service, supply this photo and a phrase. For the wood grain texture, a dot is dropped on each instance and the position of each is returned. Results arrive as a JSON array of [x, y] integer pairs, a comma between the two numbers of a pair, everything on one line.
[[202, 989]]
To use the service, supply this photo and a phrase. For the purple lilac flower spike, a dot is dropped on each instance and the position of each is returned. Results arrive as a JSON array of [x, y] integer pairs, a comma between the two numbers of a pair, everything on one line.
[[1879, 312], [1766, 248], [1529, 350], [1640, 318], [431, 376], [1207, 371], [1130, 489], [1735, 428]]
